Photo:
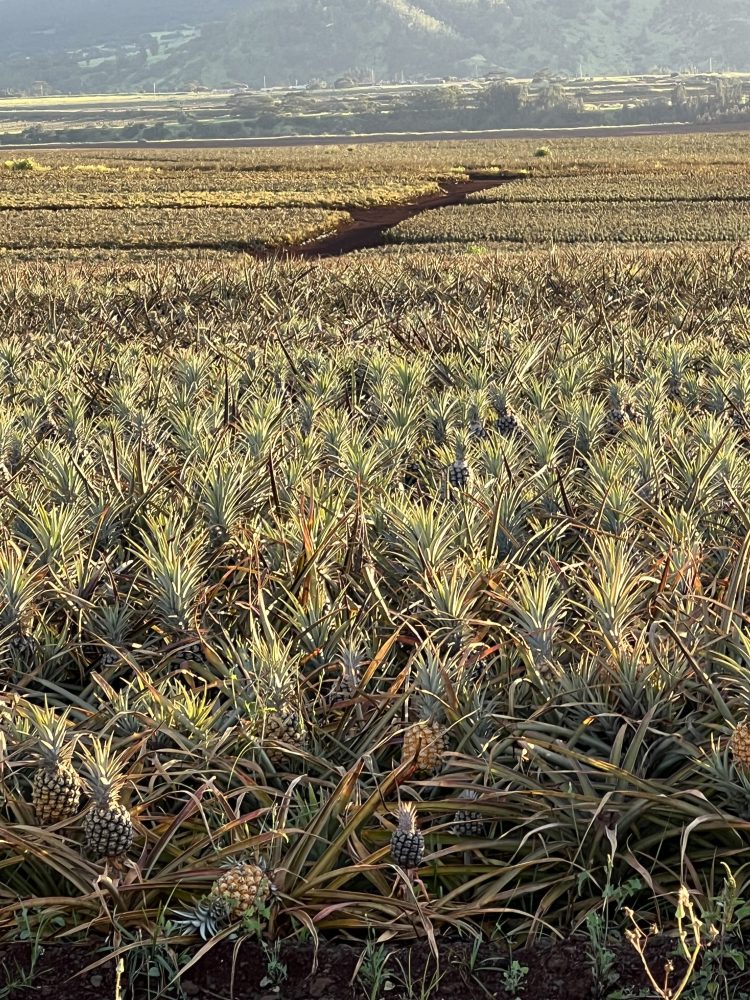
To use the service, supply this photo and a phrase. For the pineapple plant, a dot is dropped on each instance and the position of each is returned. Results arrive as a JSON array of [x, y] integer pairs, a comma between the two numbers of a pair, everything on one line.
[[175, 557], [112, 626], [507, 421], [459, 472], [426, 740], [467, 822], [621, 410], [268, 702], [283, 724], [407, 842], [739, 744], [349, 662], [21, 589], [56, 786], [475, 428], [108, 825]]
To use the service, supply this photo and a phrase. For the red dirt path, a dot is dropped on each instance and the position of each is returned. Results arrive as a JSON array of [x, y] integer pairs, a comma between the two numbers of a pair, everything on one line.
[[370, 224]]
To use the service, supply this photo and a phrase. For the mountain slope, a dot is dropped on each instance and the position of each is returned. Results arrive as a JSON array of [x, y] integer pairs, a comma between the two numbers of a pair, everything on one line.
[[79, 44]]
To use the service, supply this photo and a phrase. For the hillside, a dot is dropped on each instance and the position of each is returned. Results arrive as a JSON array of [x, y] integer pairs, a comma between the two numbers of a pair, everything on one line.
[[102, 44]]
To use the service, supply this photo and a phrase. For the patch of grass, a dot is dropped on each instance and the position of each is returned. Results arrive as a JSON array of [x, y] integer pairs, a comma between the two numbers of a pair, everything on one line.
[[27, 163]]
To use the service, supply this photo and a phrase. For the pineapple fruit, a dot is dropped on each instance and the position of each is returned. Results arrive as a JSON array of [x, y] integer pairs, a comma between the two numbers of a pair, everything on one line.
[[243, 885], [621, 411], [739, 744], [107, 826], [507, 421], [426, 740], [56, 787], [467, 822], [424, 745], [407, 843], [283, 724], [475, 428], [459, 472]]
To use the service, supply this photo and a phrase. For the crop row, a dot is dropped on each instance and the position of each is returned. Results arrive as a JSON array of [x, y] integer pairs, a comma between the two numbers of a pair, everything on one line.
[[151, 227], [574, 222], [340, 195], [715, 183]]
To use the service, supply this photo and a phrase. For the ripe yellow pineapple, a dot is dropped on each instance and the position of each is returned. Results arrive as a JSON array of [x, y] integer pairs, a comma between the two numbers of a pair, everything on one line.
[[243, 885], [108, 826], [426, 740], [424, 744], [56, 787], [740, 745]]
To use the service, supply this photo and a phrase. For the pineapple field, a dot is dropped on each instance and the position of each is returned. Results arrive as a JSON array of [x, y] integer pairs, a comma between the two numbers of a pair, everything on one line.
[[378, 622]]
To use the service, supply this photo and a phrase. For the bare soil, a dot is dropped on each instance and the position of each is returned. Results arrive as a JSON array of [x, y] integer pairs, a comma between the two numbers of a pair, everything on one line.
[[554, 971], [370, 224], [55, 972]]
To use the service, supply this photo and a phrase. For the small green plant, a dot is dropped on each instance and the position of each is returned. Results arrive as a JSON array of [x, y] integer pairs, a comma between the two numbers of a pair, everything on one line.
[[600, 957], [276, 970], [514, 977], [255, 920], [722, 919], [422, 987], [371, 969], [542, 152]]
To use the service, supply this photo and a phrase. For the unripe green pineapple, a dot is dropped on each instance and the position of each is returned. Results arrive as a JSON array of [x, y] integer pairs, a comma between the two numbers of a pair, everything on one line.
[[56, 787], [407, 843], [467, 822], [107, 826], [283, 724]]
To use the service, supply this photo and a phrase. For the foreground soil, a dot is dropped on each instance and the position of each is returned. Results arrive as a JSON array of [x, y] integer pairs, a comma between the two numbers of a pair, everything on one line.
[[559, 971]]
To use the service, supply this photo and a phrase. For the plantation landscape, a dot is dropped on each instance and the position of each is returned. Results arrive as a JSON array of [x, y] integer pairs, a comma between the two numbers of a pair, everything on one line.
[[374, 555]]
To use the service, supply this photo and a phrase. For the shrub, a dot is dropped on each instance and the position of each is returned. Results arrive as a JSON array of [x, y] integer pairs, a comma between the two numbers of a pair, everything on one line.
[[26, 164], [542, 152]]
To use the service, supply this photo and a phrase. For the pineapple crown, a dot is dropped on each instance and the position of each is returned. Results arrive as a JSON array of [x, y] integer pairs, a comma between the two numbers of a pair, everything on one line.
[[209, 916], [103, 770], [468, 795], [351, 660], [20, 588], [429, 691], [242, 861], [51, 730], [406, 817]]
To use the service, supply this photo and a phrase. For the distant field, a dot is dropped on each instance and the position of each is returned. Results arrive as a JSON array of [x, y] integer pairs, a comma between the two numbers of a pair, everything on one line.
[[655, 189], [449, 107]]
